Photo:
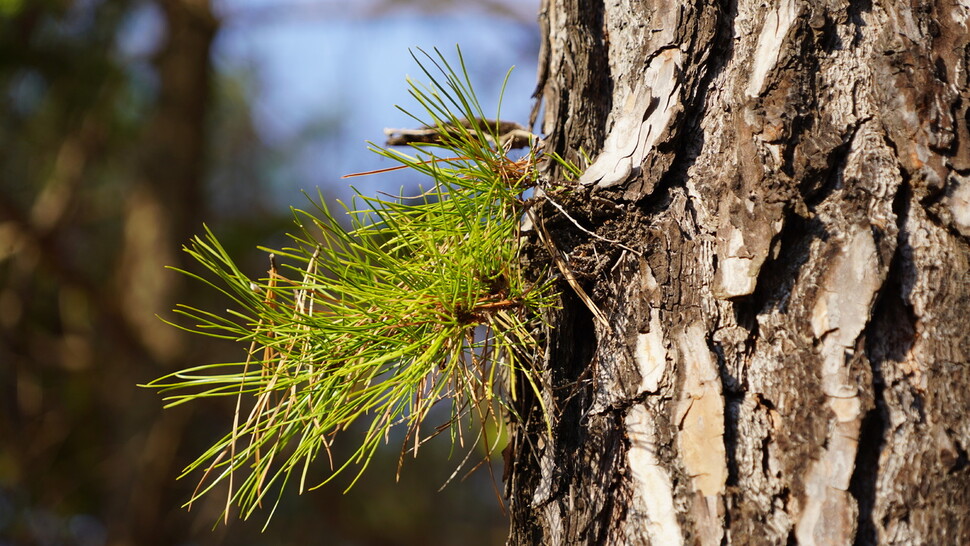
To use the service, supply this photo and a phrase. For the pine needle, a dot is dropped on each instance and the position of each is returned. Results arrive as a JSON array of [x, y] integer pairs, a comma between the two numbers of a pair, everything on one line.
[[419, 302]]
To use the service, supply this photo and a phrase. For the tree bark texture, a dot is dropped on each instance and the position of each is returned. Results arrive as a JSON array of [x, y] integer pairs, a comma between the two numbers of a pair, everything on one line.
[[780, 199]]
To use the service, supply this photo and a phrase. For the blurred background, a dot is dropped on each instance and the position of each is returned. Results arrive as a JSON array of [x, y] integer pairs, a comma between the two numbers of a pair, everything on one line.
[[126, 124]]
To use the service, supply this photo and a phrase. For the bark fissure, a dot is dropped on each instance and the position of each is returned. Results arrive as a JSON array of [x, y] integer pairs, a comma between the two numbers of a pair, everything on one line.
[[888, 338]]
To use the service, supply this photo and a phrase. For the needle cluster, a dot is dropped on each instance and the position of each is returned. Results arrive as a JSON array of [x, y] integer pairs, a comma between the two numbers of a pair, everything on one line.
[[420, 301]]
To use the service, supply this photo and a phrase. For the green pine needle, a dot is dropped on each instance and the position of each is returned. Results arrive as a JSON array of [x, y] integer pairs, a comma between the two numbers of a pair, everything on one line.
[[420, 301]]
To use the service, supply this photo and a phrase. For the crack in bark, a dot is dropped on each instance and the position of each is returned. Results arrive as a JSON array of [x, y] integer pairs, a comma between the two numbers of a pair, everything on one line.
[[894, 321]]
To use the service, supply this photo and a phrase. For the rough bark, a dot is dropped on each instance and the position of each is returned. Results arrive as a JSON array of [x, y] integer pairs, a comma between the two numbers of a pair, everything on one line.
[[785, 356]]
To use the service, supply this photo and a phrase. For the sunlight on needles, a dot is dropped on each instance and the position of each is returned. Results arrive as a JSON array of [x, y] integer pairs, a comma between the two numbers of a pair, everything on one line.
[[420, 301]]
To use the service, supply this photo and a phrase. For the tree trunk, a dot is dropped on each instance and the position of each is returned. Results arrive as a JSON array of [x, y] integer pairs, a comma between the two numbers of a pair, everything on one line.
[[780, 199]]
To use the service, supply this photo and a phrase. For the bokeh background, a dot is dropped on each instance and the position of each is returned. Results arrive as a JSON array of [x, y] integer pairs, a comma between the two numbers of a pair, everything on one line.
[[126, 124]]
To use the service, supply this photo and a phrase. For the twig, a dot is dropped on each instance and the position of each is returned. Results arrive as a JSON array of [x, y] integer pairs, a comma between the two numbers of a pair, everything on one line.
[[510, 134]]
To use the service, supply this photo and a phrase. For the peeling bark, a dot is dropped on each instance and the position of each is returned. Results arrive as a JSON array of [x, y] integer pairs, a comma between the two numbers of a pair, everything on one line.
[[787, 358]]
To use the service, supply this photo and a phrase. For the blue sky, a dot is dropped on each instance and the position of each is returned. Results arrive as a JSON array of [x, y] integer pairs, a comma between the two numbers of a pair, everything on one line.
[[326, 63]]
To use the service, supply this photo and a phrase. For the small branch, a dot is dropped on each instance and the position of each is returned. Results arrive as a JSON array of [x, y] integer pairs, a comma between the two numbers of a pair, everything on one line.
[[510, 134]]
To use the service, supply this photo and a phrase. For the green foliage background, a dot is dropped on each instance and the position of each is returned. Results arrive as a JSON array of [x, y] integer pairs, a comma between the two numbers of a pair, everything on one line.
[[109, 165]]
